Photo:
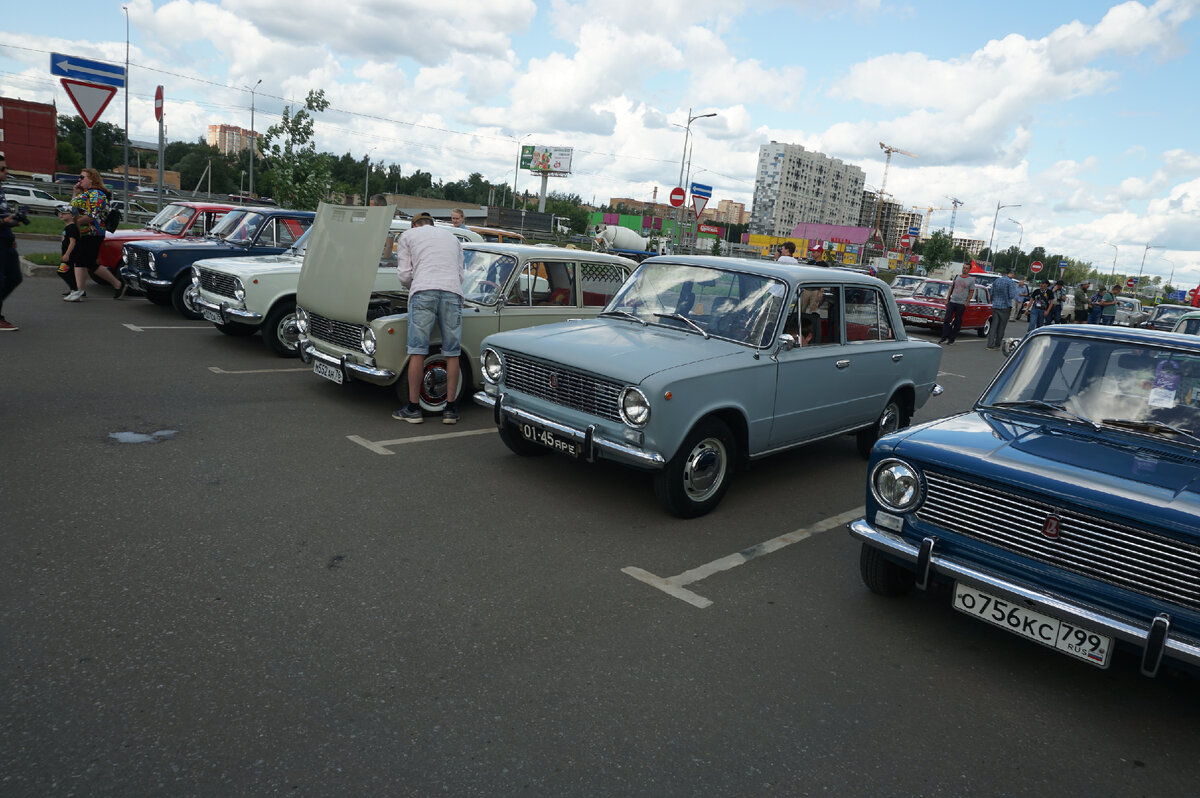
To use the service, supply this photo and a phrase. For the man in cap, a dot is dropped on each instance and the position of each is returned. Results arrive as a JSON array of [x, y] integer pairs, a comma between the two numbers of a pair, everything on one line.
[[430, 263], [1004, 293], [1039, 302]]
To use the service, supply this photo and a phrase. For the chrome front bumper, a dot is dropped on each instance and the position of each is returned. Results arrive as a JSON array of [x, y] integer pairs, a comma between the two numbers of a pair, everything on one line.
[[141, 283], [350, 369], [227, 313], [593, 445], [1152, 638]]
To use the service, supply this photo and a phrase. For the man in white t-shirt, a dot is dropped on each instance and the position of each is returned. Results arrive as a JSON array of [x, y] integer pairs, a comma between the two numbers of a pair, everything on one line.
[[787, 253], [957, 298]]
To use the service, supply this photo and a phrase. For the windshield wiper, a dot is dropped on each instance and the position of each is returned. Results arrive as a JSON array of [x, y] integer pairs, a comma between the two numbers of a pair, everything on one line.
[[1154, 427], [625, 314], [685, 320], [1044, 405]]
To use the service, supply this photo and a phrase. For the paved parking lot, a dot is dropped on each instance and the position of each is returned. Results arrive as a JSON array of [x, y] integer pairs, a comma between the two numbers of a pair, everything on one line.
[[226, 575]]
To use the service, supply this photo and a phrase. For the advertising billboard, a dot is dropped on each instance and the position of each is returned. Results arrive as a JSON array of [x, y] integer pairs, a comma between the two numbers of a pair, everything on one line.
[[546, 160]]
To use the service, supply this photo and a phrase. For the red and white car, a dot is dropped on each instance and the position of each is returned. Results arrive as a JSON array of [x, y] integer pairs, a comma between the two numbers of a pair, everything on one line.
[[927, 307], [176, 220]]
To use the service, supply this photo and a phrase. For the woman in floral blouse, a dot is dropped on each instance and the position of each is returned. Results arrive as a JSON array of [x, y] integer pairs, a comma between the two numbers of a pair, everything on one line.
[[92, 202]]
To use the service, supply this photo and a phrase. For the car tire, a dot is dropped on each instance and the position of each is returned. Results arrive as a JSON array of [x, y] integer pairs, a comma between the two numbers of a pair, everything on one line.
[[882, 576], [235, 330], [893, 417], [183, 298], [159, 297], [695, 479], [518, 445], [279, 329], [985, 329], [432, 395]]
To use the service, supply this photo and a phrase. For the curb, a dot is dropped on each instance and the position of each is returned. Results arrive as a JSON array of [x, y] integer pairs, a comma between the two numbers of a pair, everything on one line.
[[31, 269]]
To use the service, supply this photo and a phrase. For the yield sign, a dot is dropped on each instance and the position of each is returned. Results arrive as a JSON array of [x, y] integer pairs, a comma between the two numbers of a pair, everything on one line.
[[700, 197], [90, 99]]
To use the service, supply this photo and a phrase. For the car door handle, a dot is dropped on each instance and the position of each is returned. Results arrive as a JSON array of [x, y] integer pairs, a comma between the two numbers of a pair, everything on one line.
[[896, 358], [843, 364]]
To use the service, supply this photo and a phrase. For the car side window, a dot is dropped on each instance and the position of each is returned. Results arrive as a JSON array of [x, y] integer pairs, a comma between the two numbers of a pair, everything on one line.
[[867, 316], [598, 283], [286, 232], [821, 311]]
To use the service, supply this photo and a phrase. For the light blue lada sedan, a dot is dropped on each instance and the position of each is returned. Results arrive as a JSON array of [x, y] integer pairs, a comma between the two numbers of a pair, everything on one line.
[[701, 364]]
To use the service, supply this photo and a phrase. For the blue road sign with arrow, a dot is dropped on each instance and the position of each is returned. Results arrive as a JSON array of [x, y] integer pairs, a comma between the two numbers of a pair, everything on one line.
[[70, 66]]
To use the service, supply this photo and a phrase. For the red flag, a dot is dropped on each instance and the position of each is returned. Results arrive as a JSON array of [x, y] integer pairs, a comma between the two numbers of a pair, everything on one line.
[[976, 268]]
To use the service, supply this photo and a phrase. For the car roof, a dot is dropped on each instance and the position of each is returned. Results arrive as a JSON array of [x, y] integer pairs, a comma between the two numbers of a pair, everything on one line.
[[1132, 335], [542, 252], [769, 268]]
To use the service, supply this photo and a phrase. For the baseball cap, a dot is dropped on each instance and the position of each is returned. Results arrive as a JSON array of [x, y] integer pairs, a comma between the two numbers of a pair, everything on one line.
[[422, 217], [65, 208]]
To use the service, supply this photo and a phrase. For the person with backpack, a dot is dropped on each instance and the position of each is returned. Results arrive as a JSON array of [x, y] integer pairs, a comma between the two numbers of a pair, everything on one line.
[[92, 203]]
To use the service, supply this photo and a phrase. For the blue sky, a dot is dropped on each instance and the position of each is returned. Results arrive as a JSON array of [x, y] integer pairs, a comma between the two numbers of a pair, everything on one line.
[[1081, 113]]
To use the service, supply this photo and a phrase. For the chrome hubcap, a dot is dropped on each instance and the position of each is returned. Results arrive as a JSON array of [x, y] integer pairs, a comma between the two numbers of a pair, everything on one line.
[[704, 470]]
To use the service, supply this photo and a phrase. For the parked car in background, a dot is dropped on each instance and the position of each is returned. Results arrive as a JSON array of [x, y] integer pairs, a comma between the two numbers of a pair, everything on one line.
[[352, 330], [905, 284], [1062, 507], [926, 307], [1188, 323], [700, 365], [162, 268], [1130, 312], [496, 234], [1164, 317], [36, 199], [177, 220], [242, 295]]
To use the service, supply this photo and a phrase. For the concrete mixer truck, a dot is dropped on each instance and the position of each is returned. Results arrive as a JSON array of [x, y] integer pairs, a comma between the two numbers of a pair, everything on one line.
[[623, 241]]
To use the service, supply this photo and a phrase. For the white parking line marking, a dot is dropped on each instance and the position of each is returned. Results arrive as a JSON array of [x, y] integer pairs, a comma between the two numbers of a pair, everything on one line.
[[674, 585], [380, 447], [136, 328], [219, 370]]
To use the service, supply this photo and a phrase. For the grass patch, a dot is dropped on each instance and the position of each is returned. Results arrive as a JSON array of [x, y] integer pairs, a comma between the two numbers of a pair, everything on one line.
[[43, 258]]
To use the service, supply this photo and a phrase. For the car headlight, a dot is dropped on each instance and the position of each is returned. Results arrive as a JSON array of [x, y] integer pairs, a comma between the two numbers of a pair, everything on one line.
[[239, 290], [493, 366], [368, 340], [196, 276], [150, 264], [301, 320], [635, 409], [897, 486]]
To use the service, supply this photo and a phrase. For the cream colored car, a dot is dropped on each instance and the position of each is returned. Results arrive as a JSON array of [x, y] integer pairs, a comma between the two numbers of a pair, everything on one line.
[[352, 330]]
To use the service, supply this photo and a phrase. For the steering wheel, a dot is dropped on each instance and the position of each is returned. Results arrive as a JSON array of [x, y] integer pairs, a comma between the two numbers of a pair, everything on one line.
[[483, 283]]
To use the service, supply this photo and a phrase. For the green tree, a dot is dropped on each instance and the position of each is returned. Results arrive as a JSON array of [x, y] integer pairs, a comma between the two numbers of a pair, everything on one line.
[[108, 141], [299, 176], [936, 250], [716, 247]]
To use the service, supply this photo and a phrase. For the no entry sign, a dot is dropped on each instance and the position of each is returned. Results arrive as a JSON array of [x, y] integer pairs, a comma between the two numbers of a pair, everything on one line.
[[677, 197], [1035, 267]]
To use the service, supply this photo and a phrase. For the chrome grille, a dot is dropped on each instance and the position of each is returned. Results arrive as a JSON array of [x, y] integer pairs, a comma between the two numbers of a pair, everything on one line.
[[338, 333], [137, 258], [1127, 557], [563, 386], [217, 283]]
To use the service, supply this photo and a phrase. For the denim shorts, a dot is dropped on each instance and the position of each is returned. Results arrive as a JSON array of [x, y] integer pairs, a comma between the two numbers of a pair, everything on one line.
[[425, 308]]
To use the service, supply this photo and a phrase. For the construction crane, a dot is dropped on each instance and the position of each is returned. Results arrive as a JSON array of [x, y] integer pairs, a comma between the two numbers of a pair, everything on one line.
[[956, 202], [883, 186], [929, 209]]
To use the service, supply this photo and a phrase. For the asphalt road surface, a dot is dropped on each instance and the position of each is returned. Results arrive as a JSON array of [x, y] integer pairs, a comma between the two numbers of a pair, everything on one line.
[[225, 575]]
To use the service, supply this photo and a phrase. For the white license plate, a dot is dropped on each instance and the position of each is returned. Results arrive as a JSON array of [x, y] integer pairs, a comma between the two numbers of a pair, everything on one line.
[[327, 371], [1062, 635], [551, 440], [211, 315]]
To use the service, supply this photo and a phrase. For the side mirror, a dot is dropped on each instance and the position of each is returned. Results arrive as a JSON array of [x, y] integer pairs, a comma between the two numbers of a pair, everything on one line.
[[1009, 345], [788, 342]]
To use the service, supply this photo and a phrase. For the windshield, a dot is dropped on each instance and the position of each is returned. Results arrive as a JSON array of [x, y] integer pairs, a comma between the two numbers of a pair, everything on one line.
[[932, 290], [725, 304], [228, 223], [245, 229], [172, 219], [484, 275], [1168, 313], [1109, 383], [906, 281]]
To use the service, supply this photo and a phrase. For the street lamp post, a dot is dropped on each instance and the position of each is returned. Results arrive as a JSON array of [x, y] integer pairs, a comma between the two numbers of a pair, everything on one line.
[[1171, 279], [687, 131], [517, 168], [126, 10], [367, 181], [253, 137], [1113, 275], [1138, 287], [992, 255], [1020, 239]]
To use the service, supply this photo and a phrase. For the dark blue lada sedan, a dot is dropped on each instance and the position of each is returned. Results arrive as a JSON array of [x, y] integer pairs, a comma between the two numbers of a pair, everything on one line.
[[1065, 506], [163, 268]]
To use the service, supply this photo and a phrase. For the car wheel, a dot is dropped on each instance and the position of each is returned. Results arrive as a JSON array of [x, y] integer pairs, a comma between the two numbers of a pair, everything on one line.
[[893, 417], [985, 329], [695, 479], [881, 575], [279, 329], [518, 445], [236, 330], [183, 297], [432, 394], [159, 297]]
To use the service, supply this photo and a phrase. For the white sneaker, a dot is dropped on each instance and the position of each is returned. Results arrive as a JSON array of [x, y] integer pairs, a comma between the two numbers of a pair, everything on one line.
[[75, 296]]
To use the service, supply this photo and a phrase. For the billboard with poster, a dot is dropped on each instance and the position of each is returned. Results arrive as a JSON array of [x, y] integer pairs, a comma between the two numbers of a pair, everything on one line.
[[546, 160]]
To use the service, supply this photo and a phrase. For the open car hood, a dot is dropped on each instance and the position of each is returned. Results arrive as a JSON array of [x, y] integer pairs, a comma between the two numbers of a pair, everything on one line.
[[342, 260]]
